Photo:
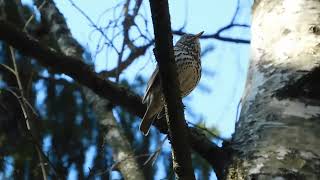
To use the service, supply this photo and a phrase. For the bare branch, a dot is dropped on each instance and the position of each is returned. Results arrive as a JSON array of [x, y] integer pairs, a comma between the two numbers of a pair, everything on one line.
[[112, 132], [229, 26], [32, 16], [217, 35], [207, 130], [139, 51], [23, 105], [127, 23], [116, 94], [99, 29], [153, 157]]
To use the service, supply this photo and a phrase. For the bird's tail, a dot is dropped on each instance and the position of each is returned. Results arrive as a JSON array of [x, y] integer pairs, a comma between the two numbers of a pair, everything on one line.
[[146, 122]]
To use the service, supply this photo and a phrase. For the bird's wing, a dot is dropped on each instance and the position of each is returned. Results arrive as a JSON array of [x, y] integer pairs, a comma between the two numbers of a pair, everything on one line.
[[153, 79]]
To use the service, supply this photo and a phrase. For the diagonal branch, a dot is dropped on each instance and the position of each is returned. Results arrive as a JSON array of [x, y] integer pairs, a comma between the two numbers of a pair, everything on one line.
[[81, 72], [139, 51], [177, 126], [71, 66]]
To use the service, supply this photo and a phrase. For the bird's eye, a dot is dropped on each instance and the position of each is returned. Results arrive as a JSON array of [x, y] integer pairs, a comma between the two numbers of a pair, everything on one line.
[[189, 38]]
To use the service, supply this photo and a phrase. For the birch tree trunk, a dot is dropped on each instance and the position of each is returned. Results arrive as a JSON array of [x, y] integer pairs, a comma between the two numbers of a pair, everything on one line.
[[277, 136]]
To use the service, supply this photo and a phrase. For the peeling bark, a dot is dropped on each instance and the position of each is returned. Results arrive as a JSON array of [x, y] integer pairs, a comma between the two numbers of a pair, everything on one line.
[[277, 136]]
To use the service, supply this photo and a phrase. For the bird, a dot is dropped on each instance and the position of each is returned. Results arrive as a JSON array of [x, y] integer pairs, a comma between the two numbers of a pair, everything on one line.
[[187, 57]]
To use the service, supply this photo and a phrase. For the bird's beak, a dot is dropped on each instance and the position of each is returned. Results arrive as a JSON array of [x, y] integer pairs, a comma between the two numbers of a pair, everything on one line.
[[199, 34]]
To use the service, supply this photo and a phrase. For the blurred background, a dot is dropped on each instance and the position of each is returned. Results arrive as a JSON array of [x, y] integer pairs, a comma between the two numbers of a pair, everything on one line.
[[117, 39]]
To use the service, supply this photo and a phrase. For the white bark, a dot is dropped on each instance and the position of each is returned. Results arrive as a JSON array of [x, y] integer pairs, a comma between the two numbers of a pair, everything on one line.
[[277, 136]]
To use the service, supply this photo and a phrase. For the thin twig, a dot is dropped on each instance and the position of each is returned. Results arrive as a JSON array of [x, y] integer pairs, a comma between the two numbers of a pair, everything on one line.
[[153, 157], [25, 114], [16, 73], [37, 145], [32, 16], [217, 37], [43, 169], [217, 34], [8, 68], [118, 162], [208, 131], [94, 25], [139, 51]]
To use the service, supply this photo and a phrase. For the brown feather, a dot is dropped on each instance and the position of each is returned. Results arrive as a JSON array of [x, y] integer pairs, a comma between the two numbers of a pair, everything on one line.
[[154, 78]]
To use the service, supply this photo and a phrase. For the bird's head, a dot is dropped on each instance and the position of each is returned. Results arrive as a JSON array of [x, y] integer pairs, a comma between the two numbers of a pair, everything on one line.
[[190, 41]]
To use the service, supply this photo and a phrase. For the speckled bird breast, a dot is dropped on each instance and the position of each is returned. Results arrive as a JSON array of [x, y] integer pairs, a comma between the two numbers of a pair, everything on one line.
[[189, 70]]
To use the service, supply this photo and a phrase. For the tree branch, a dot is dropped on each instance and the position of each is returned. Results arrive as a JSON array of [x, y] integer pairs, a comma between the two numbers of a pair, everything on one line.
[[81, 72], [109, 126], [12, 13], [217, 157], [178, 132], [138, 51], [71, 66], [217, 35]]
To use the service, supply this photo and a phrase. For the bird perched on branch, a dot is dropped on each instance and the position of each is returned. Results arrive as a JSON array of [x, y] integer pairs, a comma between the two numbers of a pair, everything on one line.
[[187, 57]]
